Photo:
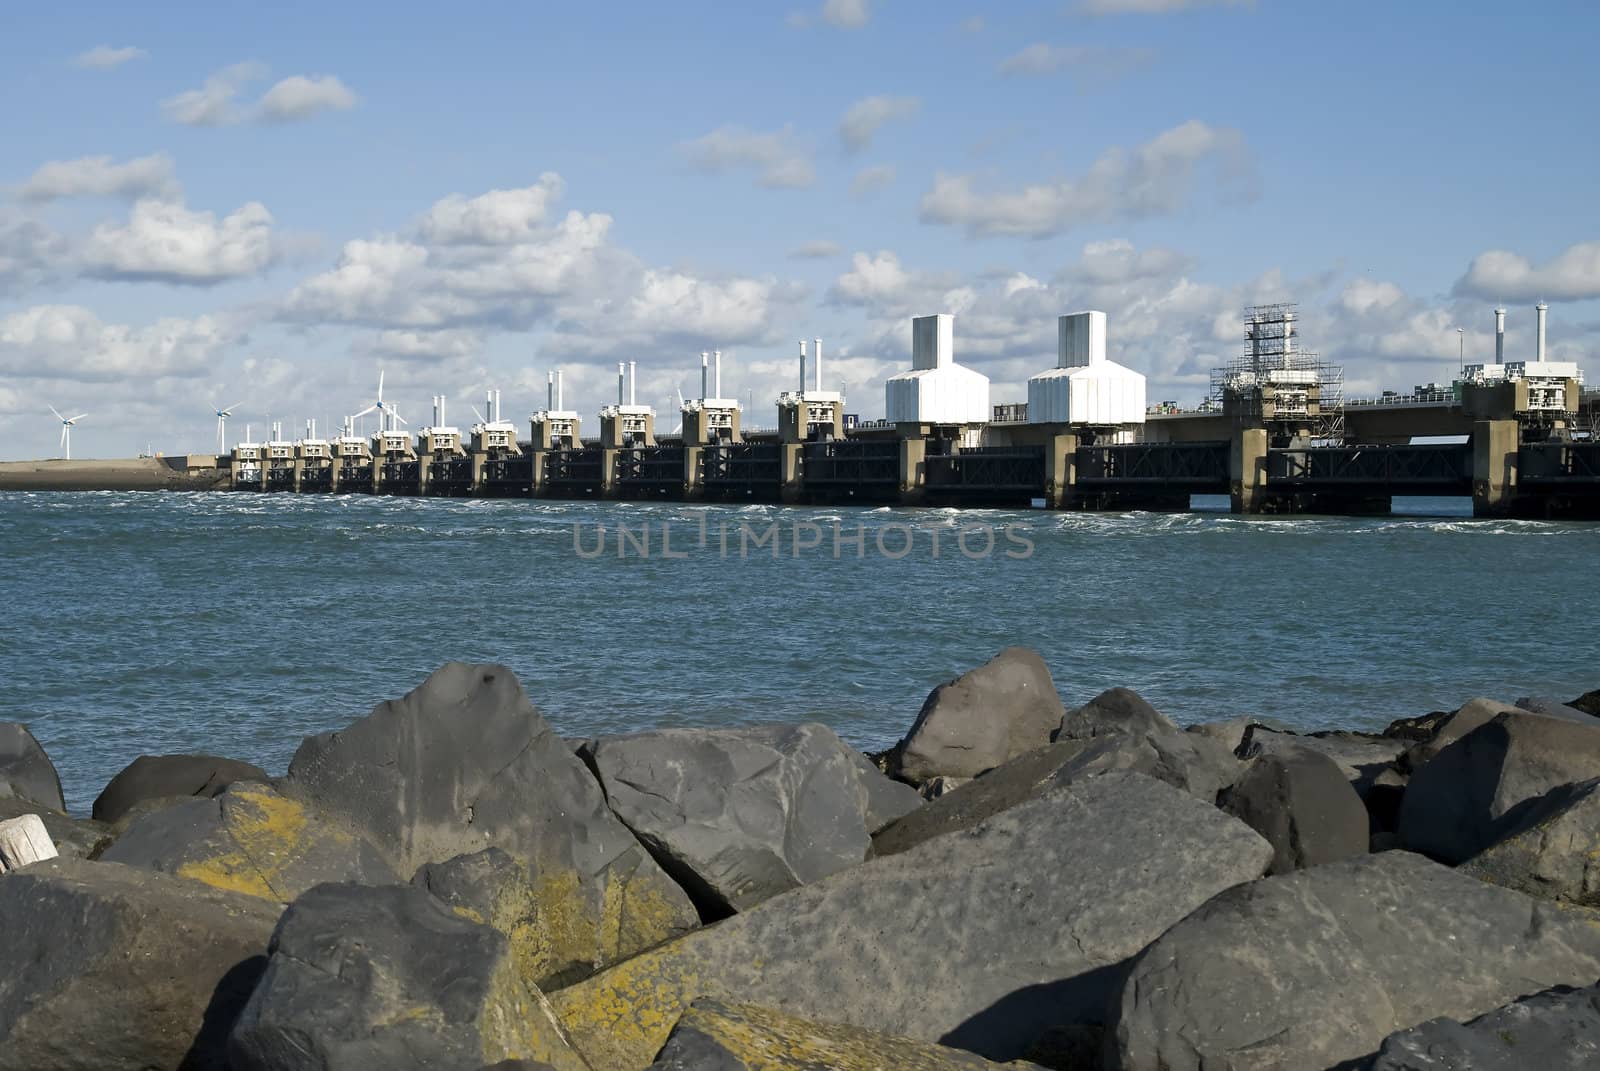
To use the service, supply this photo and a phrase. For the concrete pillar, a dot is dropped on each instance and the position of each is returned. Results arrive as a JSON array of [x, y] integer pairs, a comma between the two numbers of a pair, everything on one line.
[[608, 472], [1060, 470], [424, 473], [479, 461], [299, 470], [1494, 467], [691, 471], [377, 473], [913, 470], [789, 481], [1247, 469], [333, 475], [536, 458]]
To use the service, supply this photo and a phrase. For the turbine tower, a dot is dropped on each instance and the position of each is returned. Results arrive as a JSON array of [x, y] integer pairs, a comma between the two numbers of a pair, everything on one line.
[[66, 431], [222, 422]]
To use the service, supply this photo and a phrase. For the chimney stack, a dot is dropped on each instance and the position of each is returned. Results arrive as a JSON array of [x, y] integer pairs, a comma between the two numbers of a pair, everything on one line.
[[496, 405], [802, 366], [704, 372], [716, 373], [816, 344], [633, 383], [1499, 336], [559, 398], [1538, 343], [622, 383], [549, 391]]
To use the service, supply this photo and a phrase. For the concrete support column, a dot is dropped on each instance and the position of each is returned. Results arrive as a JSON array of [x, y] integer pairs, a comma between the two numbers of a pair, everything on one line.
[[377, 473], [1060, 470], [913, 470], [691, 472], [791, 487], [424, 474], [608, 472], [299, 469], [1247, 469], [536, 473], [1494, 467], [478, 463]]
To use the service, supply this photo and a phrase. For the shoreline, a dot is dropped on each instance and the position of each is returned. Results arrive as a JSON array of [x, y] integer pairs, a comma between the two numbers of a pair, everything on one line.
[[178, 473]]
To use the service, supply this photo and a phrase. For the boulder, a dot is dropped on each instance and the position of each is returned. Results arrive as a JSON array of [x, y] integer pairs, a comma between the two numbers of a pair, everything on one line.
[[1230, 732], [1555, 708], [1361, 757], [464, 763], [1198, 764], [110, 967], [251, 839], [1452, 727], [388, 977], [153, 777], [1314, 968], [739, 815], [743, 1037], [1301, 803], [493, 889], [75, 838], [1552, 851], [1465, 797], [26, 772], [1116, 710], [1588, 703], [941, 786], [887, 800], [973, 940], [987, 715], [1557, 1030]]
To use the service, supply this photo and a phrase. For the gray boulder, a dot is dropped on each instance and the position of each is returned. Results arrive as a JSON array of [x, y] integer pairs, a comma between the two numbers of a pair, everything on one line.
[[464, 763], [1314, 968], [1361, 757], [1116, 710], [26, 772], [1555, 708], [1557, 1030], [1230, 732], [1459, 723], [153, 777], [739, 815], [250, 838], [979, 940], [108, 967], [974, 723], [74, 838], [491, 888], [887, 800], [361, 977], [1551, 849], [717, 1036], [1465, 798], [1198, 764], [1301, 803], [1588, 703]]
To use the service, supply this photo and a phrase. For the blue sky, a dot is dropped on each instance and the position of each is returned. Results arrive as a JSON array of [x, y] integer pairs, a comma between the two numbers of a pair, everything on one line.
[[228, 201]]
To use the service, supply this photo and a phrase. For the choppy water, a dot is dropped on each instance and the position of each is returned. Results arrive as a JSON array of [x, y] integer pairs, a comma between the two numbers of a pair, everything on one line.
[[237, 624]]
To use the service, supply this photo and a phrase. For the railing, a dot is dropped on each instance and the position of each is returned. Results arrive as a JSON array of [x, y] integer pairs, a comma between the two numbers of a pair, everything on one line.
[[1195, 468]]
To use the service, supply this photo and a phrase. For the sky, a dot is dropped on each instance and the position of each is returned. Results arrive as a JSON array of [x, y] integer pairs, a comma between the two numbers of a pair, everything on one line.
[[270, 204]]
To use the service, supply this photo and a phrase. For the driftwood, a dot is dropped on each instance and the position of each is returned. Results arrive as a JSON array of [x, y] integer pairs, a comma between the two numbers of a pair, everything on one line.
[[24, 840]]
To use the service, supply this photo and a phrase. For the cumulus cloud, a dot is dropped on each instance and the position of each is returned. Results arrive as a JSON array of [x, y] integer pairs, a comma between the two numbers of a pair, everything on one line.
[[70, 341], [439, 347], [302, 96], [167, 242], [1151, 7], [213, 104], [843, 14], [98, 176], [104, 57], [871, 179], [1091, 66], [499, 217], [863, 118], [31, 253], [780, 161], [1152, 179], [1500, 275], [817, 250], [1118, 260]]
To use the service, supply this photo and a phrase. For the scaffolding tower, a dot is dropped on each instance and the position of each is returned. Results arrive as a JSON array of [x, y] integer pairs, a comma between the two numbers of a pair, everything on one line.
[[1274, 383]]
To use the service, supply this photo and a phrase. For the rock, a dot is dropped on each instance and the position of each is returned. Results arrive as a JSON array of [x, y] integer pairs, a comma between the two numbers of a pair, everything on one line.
[[1198, 764], [1417, 727], [363, 977], [109, 967], [980, 940], [1557, 1030], [1314, 968], [493, 889], [987, 715], [1458, 724], [1002, 788], [26, 772], [74, 838], [1230, 733], [1465, 798], [1588, 703], [1071, 1047], [744, 1037], [1117, 710], [941, 786], [1555, 708], [23, 840], [1552, 851], [888, 800], [464, 763], [151, 777], [739, 815], [249, 839], [1361, 757], [1302, 804]]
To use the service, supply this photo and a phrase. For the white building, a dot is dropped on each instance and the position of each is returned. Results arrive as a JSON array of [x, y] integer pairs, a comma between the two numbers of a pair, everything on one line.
[[936, 390], [1085, 387]]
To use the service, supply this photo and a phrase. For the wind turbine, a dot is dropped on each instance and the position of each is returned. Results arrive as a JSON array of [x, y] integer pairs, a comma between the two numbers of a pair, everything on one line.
[[385, 412], [222, 421], [66, 431]]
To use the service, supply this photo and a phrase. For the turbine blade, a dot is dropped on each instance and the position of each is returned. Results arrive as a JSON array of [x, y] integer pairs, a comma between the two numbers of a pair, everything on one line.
[[380, 384], [396, 416], [229, 411], [481, 418], [80, 416], [363, 412], [56, 411]]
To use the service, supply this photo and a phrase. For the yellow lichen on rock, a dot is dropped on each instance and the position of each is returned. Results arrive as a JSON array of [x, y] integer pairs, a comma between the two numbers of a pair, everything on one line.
[[621, 1017], [518, 1023]]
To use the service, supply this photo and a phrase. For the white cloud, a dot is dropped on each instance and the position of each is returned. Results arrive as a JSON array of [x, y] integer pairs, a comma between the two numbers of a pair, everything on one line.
[[780, 161], [1156, 178], [98, 176], [213, 103], [30, 252], [300, 97], [104, 57], [863, 118], [1500, 275], [1117, 261], [1152, 7], [871, 179], [1091, 66], [69, 341], [844, 14], [499, 217], [816, 250], [167, 242], [442, 346]]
